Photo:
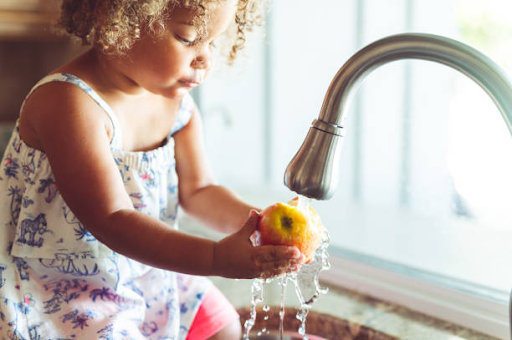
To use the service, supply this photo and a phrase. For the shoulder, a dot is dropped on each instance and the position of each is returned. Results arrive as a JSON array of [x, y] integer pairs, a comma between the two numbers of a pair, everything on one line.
[[53, 95], [59, 106]]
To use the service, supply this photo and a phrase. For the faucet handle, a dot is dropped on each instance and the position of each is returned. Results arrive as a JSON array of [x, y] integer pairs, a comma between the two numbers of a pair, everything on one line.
[[313, 171]]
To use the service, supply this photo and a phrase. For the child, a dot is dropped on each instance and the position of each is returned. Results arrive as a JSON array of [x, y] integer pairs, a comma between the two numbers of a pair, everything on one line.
[[89, 185]]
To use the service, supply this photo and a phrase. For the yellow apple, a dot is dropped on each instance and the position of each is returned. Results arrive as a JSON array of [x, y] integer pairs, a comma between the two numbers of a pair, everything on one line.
[[285, 224]]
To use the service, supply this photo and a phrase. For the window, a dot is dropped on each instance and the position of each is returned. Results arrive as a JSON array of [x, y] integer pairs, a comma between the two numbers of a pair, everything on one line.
[[425, 189]]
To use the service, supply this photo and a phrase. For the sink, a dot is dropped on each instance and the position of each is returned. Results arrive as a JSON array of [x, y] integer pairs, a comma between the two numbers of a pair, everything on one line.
[[318, 326]]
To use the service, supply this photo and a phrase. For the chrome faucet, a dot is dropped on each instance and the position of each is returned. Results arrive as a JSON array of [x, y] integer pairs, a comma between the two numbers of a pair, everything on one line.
[[313, 171]]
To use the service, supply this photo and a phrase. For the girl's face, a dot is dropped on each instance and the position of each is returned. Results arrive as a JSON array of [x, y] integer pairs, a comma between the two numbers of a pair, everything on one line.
[[180, 60]]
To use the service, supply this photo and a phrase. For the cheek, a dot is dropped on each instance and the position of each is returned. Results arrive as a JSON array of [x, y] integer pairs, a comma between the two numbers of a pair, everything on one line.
[[162, 56], [164, 65], [174, 60]]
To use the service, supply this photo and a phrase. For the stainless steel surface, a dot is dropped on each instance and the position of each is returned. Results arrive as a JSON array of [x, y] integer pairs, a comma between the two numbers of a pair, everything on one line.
[[313, 171]]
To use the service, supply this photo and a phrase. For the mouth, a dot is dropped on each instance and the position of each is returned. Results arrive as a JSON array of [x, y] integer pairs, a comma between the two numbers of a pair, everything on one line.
[[189, 83], [193, 78]]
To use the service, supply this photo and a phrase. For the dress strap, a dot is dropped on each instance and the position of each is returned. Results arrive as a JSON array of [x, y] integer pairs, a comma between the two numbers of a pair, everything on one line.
[[184, 114], [117, 139]]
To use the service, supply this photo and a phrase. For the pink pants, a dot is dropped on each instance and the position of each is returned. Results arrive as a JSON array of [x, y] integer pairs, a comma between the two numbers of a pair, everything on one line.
[[215, 313]]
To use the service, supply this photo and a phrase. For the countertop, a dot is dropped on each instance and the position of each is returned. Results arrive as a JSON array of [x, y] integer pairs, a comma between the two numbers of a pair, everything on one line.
[[393, 320]]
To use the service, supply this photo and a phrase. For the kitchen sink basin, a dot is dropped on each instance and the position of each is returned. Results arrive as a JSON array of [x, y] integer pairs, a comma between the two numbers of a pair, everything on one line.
[[318, 326]]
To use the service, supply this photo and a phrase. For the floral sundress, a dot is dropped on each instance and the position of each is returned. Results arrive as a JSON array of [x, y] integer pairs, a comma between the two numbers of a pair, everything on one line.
[[56, 280]]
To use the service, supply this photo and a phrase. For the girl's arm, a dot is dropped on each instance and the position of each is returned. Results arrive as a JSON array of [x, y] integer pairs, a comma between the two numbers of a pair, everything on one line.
[[211, 204], [221, 209], [72, 130]]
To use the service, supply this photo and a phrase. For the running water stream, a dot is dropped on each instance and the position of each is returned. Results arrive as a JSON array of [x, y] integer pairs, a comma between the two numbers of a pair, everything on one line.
[[306, 282]]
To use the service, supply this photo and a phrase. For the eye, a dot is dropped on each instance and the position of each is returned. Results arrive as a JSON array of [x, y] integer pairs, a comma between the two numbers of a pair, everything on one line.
[[184, 41]]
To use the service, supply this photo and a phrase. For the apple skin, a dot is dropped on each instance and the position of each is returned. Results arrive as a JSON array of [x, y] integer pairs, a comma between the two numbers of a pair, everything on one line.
[[285, 224]]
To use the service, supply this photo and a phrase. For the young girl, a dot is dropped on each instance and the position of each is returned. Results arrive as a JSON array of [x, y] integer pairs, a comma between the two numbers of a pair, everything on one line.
[[89, 185]]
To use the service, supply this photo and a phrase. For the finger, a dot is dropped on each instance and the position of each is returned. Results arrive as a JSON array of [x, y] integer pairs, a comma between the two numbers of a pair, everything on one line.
[[251, 224], [271, 253], [282, 267], [275, 270], [283, 262], [271, 272], [278, 253]]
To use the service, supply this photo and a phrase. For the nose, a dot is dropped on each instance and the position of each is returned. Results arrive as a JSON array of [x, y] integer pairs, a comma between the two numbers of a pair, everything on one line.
[[203, 59]]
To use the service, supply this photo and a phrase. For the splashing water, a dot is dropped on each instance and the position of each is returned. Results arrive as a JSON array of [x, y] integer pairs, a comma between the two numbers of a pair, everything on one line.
[[307, 286], [284, 281], [303, 204], [257, 297], [306, 282]]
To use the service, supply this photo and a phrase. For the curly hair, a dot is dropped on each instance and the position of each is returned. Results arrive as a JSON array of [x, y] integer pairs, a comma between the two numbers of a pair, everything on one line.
[[114, 25]]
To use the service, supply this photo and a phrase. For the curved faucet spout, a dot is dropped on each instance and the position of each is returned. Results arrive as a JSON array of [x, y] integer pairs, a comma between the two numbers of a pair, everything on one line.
[[313, 172], [443, 50]]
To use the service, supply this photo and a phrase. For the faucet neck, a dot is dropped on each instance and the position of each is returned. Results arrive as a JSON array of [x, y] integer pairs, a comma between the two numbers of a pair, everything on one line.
[[439, 49]]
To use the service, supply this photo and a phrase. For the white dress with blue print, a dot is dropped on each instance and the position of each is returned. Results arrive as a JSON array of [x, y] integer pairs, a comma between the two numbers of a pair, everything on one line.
[[57, 281]]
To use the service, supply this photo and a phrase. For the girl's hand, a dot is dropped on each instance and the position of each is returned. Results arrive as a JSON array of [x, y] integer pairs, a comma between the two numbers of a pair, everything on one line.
[[235, 256]]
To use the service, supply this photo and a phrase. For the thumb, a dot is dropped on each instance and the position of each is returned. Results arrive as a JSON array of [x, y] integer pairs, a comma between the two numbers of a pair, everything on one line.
[[251, 224]]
